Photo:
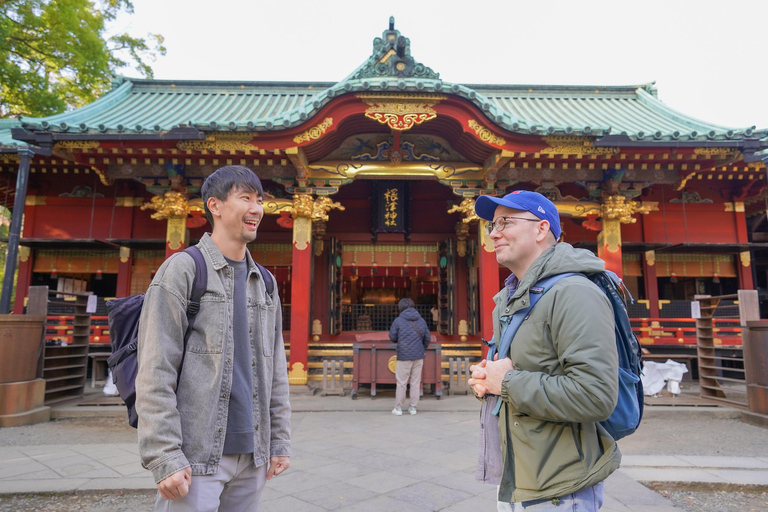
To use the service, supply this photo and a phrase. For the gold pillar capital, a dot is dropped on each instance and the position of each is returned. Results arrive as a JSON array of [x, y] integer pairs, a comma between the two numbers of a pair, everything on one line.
[[620, 208], [171, 204]]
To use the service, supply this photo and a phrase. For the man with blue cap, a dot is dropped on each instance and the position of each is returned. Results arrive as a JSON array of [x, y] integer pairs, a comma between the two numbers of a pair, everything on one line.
[[546, 450]]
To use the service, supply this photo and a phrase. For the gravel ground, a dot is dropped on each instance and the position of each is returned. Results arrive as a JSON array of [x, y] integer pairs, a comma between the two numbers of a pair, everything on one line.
[[101, 501], [703, 499]]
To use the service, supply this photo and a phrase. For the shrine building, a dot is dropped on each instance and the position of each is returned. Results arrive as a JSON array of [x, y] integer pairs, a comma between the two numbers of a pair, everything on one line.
[[370, 184]]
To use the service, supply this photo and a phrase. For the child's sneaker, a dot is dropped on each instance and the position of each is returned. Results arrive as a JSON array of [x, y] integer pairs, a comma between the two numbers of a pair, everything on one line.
[[397, 411], [412, 411]]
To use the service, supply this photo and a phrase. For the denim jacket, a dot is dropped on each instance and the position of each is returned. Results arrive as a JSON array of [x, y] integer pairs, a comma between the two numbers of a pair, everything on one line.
[[185, 427]]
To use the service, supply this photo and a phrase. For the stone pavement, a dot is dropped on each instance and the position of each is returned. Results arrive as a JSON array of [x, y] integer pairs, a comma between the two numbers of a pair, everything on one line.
[[353, 455]]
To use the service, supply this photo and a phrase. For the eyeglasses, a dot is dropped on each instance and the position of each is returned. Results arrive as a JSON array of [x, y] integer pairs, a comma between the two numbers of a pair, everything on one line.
[[502, 222]]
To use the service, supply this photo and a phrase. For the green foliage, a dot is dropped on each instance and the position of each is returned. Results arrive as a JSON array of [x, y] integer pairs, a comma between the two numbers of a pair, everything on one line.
[[55, 55]]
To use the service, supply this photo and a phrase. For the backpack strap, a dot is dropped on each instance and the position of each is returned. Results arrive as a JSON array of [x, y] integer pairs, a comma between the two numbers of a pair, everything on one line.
[[269, 281], [199, 285], [537, 291]]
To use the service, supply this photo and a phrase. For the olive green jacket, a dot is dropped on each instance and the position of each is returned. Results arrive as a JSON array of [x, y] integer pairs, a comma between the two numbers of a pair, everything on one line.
[[564, 381]]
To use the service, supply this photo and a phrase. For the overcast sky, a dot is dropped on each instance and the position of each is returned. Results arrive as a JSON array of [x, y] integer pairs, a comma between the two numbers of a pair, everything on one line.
[[708, 58]]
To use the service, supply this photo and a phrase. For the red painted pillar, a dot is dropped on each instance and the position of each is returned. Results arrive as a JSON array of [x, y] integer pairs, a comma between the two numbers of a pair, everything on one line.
[[301, 297], [609, 246], [124, 267], [744, 264], [488, 282], [24, 278], [651, 283]]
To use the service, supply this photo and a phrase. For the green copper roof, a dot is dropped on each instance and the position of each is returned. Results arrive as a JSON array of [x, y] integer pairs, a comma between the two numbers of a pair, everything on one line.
[[156, 106]]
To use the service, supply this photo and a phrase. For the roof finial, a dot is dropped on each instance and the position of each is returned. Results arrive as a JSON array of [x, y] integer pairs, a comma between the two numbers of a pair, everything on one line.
[[391, 23]]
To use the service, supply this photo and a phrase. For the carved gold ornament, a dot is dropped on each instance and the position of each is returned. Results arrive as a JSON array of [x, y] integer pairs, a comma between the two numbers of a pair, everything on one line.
[[400, 112], [224, 141], [303, 206], [322, 206], [317, 209], [618, 208], [392, 364], [315, 132], [574, 146], [24, 253], [170, 204], [75, 144], [466, 208], [485, 134], [297, 375], [718, 152], [745, 258]]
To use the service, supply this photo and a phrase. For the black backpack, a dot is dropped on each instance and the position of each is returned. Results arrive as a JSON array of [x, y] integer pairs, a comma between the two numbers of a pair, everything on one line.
[[124, 314]]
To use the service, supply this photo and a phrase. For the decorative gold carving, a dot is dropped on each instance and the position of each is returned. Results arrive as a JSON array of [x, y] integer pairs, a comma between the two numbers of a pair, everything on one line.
[[75, 144], [176, 234], [224, 141], [610, 236], [24, 253], [718, 152], [559, 145], [302, 232], [650, 258], [462, 233], [485, 134], [466, 208], [125, 254], [400, 111], [10, 157], [304, 206], [170, 204], [34, 201], [297, 375], [322, 206], [315, 132], [746, 259], [485, 239], [392, 364], [618, 208]]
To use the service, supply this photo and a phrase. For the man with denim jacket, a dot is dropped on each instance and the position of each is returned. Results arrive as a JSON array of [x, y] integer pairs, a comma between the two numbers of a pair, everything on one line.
[[212, 441], [547, 450]]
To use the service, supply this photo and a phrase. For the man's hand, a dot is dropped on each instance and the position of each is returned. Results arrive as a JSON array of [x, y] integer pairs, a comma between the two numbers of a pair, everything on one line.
[[277, 465], [494, 374], [177, 485], [477, 378]]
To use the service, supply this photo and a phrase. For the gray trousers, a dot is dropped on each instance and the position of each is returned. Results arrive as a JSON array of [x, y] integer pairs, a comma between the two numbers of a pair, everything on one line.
[[235, 487], [408, 371]]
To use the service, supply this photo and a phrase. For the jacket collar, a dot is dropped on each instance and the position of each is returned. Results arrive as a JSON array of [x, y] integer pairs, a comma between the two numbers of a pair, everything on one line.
[[217, 259]]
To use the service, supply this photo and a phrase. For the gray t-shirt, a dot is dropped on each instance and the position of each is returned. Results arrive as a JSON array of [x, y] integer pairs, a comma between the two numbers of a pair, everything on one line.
[[239, 438]]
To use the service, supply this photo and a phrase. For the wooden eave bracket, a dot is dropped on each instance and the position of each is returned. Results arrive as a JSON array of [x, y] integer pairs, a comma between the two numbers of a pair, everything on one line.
[[299, 161], [492, 165]]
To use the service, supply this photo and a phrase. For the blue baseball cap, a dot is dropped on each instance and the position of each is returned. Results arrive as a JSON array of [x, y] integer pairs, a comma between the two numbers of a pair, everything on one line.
[[533, 202]]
